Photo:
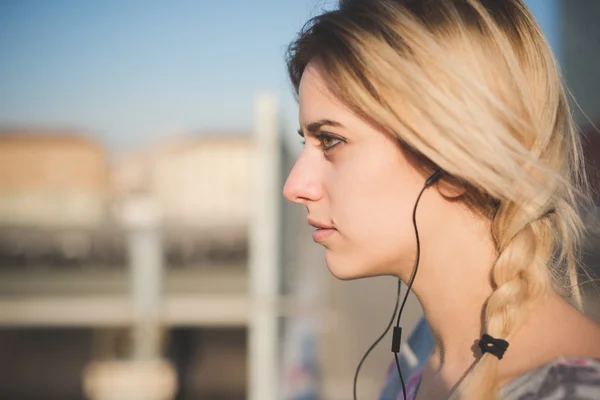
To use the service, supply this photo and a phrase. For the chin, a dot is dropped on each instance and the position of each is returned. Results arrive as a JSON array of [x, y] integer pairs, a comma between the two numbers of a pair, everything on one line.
[[346, 268], [344, 274]]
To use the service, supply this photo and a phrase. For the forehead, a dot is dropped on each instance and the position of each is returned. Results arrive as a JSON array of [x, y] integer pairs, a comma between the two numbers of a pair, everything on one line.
[[315, 100]]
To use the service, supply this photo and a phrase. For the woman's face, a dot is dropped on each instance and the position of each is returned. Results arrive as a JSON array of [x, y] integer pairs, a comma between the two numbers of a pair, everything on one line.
[[356, 181]]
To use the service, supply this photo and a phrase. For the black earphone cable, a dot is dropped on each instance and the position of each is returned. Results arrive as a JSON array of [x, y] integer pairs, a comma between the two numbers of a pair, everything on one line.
[[418, 258], [397, 336], [379, 339]]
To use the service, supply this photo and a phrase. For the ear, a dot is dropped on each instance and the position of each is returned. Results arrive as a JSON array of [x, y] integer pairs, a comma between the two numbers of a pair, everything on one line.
[[451, 188]]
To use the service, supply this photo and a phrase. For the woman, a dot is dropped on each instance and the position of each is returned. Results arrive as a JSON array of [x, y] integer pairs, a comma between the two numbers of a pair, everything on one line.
[[459, 101]]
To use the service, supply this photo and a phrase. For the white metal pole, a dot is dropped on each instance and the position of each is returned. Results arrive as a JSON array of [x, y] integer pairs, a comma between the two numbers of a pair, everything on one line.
[[264, 254], [146, 376], [146, 274]]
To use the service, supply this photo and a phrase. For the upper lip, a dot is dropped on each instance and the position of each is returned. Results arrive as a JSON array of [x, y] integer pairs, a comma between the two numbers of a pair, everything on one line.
[[318, 225]]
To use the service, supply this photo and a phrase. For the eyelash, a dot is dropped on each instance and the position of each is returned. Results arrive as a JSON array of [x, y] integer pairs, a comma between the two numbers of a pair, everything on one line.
[[321, 137]]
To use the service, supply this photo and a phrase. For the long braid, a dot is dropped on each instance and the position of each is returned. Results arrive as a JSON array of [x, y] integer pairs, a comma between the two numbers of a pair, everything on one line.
[[519, 277]]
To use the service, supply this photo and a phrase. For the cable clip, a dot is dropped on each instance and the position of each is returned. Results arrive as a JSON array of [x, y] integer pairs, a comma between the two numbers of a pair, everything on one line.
[[497, 347]]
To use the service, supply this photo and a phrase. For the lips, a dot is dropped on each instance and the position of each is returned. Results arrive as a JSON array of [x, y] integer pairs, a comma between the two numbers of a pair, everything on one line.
[[319, 225], [321, 234], [323, 230]]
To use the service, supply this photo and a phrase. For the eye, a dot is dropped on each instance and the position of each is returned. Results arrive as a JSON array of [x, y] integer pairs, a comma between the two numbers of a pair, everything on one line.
[[328, 141]]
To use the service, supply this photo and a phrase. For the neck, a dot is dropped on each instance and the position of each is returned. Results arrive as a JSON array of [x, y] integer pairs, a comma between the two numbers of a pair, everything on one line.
[[453, 284]]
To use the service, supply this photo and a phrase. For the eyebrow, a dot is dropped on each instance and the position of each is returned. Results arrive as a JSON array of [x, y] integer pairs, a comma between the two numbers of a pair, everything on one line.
[[314, 127]]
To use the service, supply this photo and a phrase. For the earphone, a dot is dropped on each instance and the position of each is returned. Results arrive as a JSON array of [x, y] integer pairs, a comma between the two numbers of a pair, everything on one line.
[[397, 333]]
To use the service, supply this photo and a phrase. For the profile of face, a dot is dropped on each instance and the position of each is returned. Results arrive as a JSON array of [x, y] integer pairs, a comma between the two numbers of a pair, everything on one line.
[[357, 185]]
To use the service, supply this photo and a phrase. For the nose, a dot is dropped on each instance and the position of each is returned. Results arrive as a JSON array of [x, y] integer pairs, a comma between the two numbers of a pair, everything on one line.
[[303, 184]]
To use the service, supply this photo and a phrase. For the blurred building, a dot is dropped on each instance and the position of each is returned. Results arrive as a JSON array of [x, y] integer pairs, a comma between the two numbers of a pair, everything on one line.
[[186, 179], [202, 188], [64, 259], [51, 179], [54, 195]]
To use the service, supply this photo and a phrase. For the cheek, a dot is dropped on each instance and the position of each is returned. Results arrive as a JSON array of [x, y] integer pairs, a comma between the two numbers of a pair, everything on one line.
[[374, 216], [373, 241], [380, 223], [373, 197]]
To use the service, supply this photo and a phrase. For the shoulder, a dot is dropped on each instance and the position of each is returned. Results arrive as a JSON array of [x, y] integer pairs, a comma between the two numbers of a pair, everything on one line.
[[564, 378]]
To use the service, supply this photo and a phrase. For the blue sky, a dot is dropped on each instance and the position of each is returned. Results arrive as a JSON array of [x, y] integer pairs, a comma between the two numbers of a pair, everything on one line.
[[130, 73]]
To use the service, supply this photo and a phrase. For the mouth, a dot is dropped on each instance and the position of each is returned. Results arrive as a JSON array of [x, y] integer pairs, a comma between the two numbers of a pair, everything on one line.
[[323, 230]]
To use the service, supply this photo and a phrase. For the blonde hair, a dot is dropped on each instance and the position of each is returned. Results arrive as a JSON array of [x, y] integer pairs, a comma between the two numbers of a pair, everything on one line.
[[470, 87]]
